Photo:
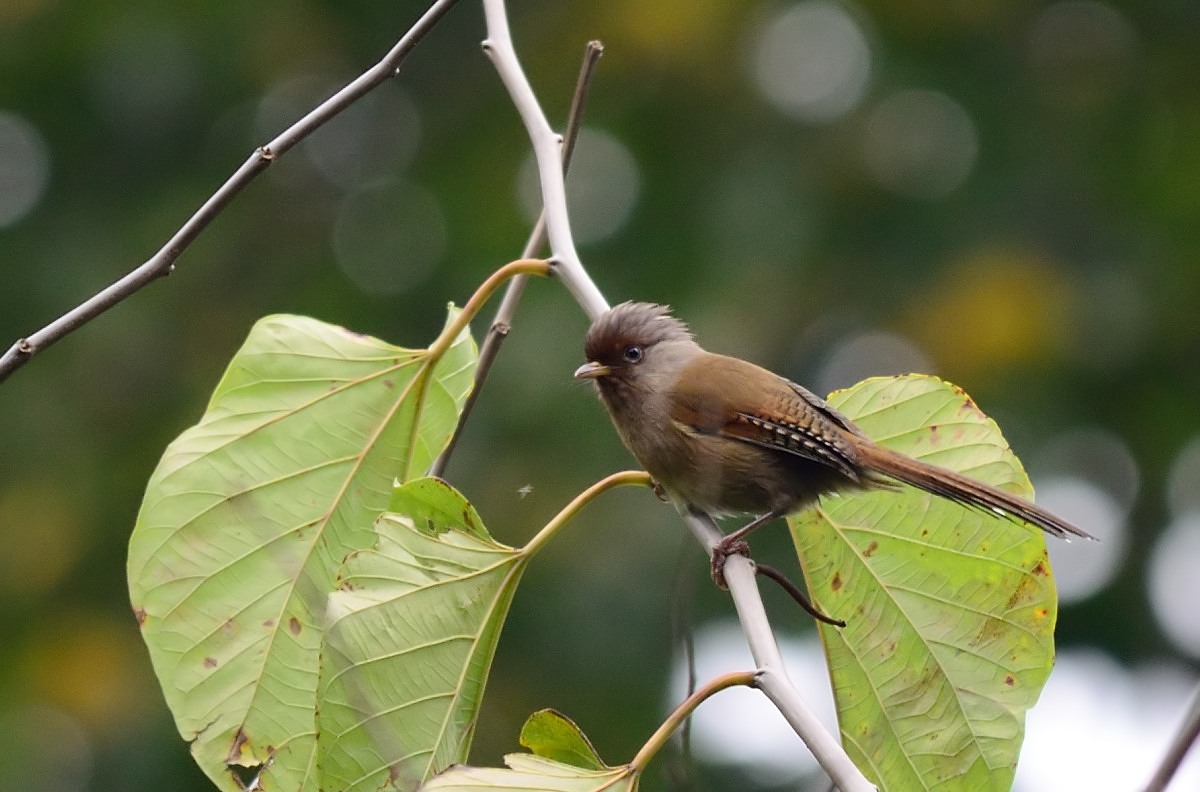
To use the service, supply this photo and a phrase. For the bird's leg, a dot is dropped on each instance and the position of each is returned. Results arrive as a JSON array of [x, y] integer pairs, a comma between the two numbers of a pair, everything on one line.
[[735, 544]]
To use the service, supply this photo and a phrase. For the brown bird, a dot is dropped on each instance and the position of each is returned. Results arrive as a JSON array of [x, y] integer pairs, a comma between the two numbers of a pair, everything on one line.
[[724, 436]]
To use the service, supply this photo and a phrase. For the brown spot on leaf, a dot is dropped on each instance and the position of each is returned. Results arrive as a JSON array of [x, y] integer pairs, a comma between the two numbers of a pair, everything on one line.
[[140, 615], [1041, 570], [935, 435], [871, 548], [235, 751], [210, 662], [269, 623], [1009, 680], [836, 583], [294, 625], [387, 383]]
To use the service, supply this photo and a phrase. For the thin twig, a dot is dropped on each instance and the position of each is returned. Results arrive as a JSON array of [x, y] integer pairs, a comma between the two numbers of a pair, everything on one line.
[[1184, 739], [683, 592], [163, 262], [502, 323]]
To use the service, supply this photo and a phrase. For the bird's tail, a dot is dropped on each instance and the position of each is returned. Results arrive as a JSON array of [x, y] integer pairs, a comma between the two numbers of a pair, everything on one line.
[[956, 487]]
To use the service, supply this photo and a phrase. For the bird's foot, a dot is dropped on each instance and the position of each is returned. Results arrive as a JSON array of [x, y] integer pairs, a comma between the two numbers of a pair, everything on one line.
[[721, 551], [659, 492]]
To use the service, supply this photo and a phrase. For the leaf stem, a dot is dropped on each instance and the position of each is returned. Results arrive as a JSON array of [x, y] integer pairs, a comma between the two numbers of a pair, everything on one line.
[[502, 323], [685, 710], [512, 269], [624, 478]]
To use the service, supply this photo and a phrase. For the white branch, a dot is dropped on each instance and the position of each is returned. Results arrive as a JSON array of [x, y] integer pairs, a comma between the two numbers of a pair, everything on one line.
[[773, 679], [739, 574], [546, 149]]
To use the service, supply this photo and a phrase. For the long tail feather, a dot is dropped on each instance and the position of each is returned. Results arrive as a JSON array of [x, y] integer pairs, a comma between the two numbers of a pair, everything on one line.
[[956, 487]]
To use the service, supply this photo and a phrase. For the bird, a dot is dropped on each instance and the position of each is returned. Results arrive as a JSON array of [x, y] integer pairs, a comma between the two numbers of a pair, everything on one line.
[[723, 436]]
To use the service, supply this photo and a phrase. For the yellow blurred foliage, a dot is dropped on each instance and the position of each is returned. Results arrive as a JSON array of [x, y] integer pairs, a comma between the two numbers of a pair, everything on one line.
[[41, 536], [92, 666], [992, 310], [678, 31], [14, 12]]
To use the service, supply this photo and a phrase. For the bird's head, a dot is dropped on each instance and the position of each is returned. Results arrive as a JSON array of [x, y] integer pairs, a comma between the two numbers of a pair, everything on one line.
[[633, 347]]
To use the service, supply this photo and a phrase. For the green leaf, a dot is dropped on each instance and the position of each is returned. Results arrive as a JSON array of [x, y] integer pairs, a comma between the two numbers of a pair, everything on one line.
[[552, 735], [950, 611], [412, 631], [249, 515], [527, 773], [434, 506]]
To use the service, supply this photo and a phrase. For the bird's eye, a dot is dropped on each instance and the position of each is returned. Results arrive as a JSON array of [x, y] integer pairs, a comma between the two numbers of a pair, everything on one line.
[[633, 353]]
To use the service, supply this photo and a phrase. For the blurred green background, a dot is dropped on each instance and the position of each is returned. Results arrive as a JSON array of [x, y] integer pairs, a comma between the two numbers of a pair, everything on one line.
[[1004, 193]]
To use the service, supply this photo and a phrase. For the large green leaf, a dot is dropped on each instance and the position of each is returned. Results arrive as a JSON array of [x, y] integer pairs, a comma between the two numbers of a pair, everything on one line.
[[529, 773], [411, 635], [249, 515], [949, 611]]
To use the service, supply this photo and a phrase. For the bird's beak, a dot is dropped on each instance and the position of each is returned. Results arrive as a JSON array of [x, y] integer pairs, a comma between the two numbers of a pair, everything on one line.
[[592, 370]]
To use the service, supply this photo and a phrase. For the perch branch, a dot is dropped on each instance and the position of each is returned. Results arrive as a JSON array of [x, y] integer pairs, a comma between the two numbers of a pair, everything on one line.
[[163, 262], [739, 573], [502, 323], [773, 680]]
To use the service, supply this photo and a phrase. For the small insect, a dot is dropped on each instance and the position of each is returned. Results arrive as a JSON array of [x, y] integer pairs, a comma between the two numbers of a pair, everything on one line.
[[523, 491]]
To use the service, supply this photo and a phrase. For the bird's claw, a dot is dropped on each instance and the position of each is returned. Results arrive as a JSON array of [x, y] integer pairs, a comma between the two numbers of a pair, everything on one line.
[[721, 551], [659, 492]]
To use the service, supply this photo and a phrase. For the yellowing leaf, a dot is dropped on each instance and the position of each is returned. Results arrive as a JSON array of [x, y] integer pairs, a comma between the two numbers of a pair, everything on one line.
[[949, 611]]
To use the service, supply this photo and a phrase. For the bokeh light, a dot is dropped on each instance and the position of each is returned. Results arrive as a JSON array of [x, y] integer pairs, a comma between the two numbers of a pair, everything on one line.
[[1082, 568], [44, 748], [1094, 454], [379, 134], [1081, 53], [1174, 583], [870, 354], [1102, 727], [1090, 477], [1183, 481], [740, 726], [24, 168], [601, 191], [812, 61], [144, 75], [389, 236], [920, 144]]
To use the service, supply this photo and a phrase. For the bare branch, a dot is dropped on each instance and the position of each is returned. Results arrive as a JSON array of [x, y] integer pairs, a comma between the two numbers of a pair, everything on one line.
[[1189, 730], [502, 324], [163, 262], [547, 150]]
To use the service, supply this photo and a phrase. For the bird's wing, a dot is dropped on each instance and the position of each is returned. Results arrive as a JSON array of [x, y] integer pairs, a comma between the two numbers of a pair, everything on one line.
[[763, 409]]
